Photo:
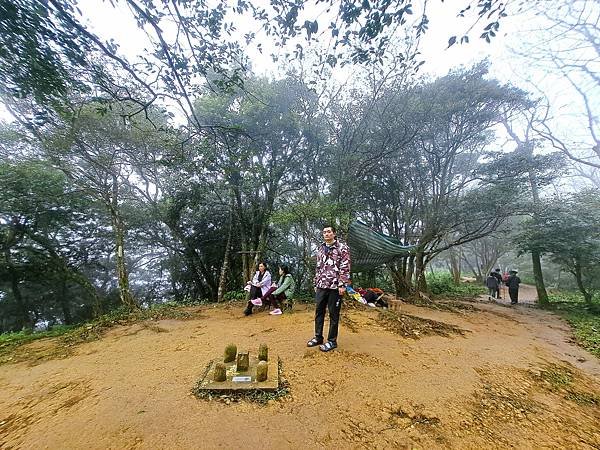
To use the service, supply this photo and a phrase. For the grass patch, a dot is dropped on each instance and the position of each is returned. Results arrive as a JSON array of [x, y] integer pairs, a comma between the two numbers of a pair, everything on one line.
[[11, 341], [415, 327], [583, 318], [562, 380], [557, 377], [443, 285], [13, 345], [583, 398], [252, 396]]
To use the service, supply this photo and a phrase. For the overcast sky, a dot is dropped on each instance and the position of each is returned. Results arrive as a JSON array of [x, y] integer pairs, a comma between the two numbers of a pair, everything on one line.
[[116, 22]]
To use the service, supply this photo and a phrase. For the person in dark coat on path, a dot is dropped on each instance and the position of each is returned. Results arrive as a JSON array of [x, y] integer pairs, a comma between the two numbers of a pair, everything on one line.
[[513, 287], [492, 284], [496, 274]]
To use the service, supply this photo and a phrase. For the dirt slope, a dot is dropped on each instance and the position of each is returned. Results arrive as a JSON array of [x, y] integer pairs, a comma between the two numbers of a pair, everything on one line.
[[513, 379]]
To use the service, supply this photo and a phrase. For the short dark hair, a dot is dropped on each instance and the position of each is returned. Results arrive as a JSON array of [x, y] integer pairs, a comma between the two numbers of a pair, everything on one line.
[[330, 226], [263, 263], [286, 269]]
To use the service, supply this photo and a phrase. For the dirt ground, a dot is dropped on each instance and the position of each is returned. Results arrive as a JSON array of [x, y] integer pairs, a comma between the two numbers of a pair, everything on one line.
[[496, 377]]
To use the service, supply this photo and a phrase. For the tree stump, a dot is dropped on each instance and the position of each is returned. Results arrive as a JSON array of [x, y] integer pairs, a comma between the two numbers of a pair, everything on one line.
[[263, 352], [220, 372], [243, 361], [230, 352], [262, 370]]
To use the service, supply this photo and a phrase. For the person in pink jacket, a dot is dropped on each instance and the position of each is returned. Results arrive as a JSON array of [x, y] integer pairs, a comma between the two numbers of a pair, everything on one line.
[[331, 277]]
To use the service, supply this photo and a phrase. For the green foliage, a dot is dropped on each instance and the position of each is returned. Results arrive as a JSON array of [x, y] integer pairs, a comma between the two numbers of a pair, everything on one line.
[[442, 284], [581, 315], [24, 337], [234, 295], [70, 336], [567, 229], [30, 35]]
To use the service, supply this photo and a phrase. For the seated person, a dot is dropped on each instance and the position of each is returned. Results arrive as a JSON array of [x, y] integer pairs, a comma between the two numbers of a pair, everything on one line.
[[373, 297], [260, 284], [353, 294], [284, 289]]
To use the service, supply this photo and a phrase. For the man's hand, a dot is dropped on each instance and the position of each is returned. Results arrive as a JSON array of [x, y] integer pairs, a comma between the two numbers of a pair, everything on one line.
[[341, 290]]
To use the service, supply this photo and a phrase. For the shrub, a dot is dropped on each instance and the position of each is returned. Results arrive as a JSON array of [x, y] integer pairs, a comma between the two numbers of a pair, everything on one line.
[[443, 284]]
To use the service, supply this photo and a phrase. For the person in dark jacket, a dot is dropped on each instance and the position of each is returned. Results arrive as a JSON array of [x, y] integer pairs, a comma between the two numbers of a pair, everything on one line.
[[513, 287], [498, 276], [492, 284]]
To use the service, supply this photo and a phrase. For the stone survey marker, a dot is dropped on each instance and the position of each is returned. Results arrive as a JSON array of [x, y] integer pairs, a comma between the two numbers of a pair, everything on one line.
[[242, 371]]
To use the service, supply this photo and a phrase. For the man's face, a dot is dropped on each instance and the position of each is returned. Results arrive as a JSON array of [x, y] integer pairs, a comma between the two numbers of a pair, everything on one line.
[[328, 234]]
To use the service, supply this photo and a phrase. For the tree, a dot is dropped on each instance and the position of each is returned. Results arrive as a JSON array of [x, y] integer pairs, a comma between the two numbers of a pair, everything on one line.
[[538, 173], [43, 225], [568, 230], [565, 46], [482, 255], [263, 144], [46, 49], [419, 162], [92, 151]]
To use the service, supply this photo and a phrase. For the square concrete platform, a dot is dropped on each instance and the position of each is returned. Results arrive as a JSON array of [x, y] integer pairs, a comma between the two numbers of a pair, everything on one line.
[[242, 381]]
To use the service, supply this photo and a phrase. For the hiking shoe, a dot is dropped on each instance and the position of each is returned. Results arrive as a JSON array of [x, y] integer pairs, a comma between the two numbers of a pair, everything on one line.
[[275, 312], [256, 302], [314, 342], [328, 346], [247, 311]]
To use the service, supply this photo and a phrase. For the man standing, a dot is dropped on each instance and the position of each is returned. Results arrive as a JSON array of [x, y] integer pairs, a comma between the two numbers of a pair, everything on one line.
[[498, 276], [513, 287], [331, 277]]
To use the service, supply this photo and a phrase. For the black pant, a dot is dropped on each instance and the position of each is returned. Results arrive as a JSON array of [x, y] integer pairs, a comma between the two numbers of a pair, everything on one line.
[[330, 299], [514, 295]]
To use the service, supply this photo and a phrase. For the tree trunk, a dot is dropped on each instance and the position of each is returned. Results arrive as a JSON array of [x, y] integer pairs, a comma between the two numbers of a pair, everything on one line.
[[123, 276], [420, 280], [455, 265], [225, 266], [538, 276], [119, 234], [540, 287], [64, 302], [587, 296], [23, 318], [410, 271], [401, 288]]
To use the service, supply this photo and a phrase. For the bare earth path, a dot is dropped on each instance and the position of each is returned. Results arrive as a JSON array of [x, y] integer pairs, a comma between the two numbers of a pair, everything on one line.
[[513, 379]]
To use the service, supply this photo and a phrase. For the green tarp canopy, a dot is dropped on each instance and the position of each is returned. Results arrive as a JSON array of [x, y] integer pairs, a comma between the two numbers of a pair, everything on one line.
[[370, 249]]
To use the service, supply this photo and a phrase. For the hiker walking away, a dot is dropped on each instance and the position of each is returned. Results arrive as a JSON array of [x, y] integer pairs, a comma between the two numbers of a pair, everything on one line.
[[259, 285], [283, 290], [492, 284], [331, 277], [496, 274], [513, 282]]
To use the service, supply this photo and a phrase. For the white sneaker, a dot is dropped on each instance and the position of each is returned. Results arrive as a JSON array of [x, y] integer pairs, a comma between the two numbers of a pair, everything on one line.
[[276, 312], [372, 305], [256, 302]]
